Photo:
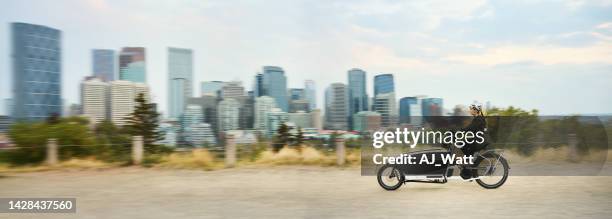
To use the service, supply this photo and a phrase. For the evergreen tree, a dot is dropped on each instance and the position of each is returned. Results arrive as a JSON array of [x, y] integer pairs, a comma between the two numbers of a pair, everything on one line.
[[282, 134], [144, 121]]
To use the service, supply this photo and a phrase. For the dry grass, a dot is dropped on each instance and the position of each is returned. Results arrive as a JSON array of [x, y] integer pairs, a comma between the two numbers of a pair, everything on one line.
[[196, 159], [72, 164], [305, 156], [558, 155]]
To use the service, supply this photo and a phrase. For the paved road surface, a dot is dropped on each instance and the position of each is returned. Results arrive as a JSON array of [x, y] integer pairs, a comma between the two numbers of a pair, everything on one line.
[[303, 192]]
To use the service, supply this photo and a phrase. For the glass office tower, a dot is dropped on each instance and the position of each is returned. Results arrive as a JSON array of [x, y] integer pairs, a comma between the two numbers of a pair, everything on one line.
[[275, 86], [383, 84], [36, 58], [358, 96], [103, 63], [180, 80], [132, 64]]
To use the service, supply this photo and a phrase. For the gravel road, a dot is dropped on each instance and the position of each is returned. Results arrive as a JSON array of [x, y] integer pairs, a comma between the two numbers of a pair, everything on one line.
[[303, 192]]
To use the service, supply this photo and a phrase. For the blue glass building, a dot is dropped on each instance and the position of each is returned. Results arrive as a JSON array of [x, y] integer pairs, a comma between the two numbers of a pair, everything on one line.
[[180, 80], [432, 107], [275, 86], [103, 63], [383, 84], [132, 64], [404, 109], [36, 57], [358, 96]]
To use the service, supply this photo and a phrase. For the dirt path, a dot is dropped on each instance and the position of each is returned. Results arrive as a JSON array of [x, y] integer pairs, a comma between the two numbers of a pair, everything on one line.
[[303, 192]]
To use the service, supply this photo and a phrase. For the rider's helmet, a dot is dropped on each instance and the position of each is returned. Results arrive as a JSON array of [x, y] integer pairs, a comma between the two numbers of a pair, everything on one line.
[[477, 108]]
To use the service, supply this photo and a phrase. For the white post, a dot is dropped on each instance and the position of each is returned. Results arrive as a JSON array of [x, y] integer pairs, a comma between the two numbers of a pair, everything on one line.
[[340, 151], [52, 152], [230, 151], [137, 150]]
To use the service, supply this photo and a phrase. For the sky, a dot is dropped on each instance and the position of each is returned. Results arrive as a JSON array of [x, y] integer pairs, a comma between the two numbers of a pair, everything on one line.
[[554, 56]]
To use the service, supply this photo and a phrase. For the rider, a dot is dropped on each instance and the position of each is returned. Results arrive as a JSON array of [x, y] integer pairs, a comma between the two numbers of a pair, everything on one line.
[[478, 124]]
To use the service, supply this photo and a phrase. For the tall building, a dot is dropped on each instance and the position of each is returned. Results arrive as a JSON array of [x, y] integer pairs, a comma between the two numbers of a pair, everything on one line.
[[275, 86], [246, 117], [405, 106], [263, 105], [180, 80], [336, 107], [385, 105], [228, 113], [232, 89], [432, 107], [95, 99], [310, 93], [258, 89], [211, 88], [366, 121], [274, 118], [8, 106], [383, 83], [132, 64], [358, 96], [36, 57], [103, 63], [122, 94]]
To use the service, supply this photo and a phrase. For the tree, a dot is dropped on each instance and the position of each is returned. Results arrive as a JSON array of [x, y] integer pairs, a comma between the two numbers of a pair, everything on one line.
[[282, 134], [144, 121]]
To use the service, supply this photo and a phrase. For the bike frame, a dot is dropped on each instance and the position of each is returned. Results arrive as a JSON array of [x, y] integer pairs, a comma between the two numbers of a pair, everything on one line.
[[443, 178]]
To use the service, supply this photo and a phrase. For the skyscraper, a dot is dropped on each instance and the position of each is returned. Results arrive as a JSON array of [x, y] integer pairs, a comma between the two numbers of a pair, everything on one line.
[[132, 64], [36, 57], [228, 113], [336, 107], [103, 63], [258, 89], [358, 96], [180, 79], [95, 99], [383, 83], [122, 94], [311, 93], [406, 104], [432, 107], [384, 104], [263, 105], [275, 86]]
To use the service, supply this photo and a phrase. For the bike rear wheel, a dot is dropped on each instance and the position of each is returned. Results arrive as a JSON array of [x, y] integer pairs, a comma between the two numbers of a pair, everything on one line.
[[491, 171], [390, 178]]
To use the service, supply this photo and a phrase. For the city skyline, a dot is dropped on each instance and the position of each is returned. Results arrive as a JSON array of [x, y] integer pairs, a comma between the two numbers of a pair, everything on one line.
[[491, 70]]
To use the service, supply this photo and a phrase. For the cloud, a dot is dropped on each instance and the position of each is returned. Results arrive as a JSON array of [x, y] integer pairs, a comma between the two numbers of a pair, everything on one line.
[[544, 54]]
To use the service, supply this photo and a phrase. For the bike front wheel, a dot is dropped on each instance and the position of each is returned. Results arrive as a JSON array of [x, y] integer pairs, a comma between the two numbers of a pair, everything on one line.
[[491, 171]]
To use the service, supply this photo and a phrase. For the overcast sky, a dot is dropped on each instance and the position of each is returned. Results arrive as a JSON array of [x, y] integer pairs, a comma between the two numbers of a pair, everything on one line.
[[554, 56]]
